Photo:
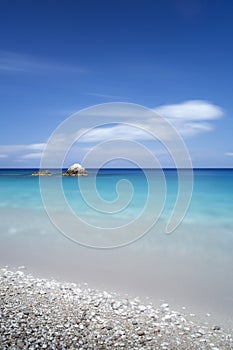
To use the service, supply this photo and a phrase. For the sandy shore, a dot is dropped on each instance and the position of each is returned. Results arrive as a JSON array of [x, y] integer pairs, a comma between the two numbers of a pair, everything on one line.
[[46, 314]]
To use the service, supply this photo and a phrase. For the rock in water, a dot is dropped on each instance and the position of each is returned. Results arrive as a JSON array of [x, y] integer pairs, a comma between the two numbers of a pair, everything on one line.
[[76, 170], [42, 173]]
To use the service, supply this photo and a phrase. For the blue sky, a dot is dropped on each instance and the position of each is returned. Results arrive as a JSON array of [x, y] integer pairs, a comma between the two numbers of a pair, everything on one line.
[[174, 56]]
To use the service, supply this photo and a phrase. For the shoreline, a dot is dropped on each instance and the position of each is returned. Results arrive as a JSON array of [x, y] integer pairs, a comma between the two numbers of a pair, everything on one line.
[[43, 313], [158, 268]]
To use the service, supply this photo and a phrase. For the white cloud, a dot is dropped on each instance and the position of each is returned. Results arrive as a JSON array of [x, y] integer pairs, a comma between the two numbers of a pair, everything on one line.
[[19, 152], [118, 131], [189, 129], [6, 149], [190, 110], [36, 146], [229, 154], [32, 156], [189, 118]]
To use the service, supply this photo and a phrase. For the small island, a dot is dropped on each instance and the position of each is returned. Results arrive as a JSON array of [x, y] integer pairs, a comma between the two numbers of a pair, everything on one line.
[[76, 170], [42, 173]]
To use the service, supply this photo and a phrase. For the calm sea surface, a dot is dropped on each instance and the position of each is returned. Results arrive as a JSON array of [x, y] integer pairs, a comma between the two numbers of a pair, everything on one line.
[[192, 266]]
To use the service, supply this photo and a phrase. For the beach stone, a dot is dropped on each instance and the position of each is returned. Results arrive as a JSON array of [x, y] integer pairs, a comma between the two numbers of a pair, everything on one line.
[[121, 345], [116, 305], [140, 333], [64, 316], [165, 306], [20, 344], [142, 308]]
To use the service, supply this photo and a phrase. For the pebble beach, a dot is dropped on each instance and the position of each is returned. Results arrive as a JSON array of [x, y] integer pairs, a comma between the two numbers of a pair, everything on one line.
[[46, 314]]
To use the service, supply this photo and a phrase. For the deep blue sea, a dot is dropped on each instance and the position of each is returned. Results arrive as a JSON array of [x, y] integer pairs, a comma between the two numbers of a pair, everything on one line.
[[191, 266]]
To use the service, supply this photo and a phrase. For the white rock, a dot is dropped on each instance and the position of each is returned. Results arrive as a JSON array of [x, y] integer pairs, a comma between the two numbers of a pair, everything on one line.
[[165, 306], [75, 166], [75, 170]]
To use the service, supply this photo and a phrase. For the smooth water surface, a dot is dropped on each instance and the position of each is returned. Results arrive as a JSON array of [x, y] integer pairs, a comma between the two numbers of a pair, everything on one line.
[[192, 266]]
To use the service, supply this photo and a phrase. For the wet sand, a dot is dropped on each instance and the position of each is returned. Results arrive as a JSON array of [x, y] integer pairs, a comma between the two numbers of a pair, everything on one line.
[[186, 268]]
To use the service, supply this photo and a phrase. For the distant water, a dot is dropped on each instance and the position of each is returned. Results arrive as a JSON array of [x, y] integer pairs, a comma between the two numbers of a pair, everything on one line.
[[193, 266], [212, 200]]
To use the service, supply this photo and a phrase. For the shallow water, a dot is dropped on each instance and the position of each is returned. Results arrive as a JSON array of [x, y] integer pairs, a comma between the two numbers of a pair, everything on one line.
[[191, 267]]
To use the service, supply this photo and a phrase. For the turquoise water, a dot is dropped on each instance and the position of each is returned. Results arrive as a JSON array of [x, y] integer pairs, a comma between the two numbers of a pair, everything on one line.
[[192, 266], [212, 198], [210, 210]]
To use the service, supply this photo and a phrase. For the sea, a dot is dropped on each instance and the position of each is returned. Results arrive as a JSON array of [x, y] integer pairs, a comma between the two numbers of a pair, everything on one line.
[[190, 268]]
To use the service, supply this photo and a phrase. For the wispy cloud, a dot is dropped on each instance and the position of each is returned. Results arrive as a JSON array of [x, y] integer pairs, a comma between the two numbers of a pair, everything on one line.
[[189, 118], [6, 149], [95, 94], [36, 146], [191, 110], [32, 156], [11, 62], [20, 152], [117, 132]]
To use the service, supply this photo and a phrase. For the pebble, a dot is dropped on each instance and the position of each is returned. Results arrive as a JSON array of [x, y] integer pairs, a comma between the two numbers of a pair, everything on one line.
[[140, 333], [47, 314]]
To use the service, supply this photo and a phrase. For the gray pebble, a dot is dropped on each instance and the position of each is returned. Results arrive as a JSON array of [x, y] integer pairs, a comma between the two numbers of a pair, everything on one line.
[[46, 314]]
